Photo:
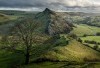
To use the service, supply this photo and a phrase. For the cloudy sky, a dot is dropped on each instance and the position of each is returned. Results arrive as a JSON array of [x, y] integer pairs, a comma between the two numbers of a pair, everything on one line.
[[58, 5]]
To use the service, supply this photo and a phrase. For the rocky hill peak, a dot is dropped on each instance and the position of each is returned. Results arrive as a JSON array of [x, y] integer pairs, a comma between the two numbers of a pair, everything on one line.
[[48, 11], [53, 23]]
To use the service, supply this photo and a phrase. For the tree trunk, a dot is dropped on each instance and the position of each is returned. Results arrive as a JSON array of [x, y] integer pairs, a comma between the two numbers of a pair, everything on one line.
[[27, 56]]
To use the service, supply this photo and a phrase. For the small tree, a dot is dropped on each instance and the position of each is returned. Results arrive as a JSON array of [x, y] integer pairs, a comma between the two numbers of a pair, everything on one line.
[[57, 40], [74, 36], [98, 34], [95, 47], [79, 40], [61, 41], [85, 35]]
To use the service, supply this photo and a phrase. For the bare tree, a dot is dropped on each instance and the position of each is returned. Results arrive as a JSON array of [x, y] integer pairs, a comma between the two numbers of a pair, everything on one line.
[[22, 36], [25, 31]]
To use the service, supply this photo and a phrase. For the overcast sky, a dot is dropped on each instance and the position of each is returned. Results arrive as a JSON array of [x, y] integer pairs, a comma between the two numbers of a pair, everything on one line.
[[58, 5]]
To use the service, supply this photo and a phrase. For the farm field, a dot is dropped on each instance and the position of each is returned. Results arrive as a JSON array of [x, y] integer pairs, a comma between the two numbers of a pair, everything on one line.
[[82, 29], [91, 38]]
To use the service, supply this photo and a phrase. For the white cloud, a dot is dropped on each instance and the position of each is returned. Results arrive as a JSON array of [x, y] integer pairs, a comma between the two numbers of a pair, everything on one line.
[[63, 5], [21, 9]]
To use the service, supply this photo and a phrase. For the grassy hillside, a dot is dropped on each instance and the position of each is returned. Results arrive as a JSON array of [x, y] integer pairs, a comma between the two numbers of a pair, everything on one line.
[[75, 51], [82, 29]]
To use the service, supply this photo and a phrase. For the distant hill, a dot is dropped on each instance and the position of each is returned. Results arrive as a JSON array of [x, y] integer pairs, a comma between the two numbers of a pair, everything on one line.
[[53, 23], [92, 19], [3, 17]]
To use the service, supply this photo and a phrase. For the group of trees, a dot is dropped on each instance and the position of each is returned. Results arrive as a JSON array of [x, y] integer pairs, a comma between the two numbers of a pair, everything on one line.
[[74, 36], [57, 40], [61, 41], [97, 34], [92, 21], [92, 42], [96, 47]]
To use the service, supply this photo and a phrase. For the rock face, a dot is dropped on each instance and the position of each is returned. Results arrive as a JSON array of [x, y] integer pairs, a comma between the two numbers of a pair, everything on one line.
[[52, 23]]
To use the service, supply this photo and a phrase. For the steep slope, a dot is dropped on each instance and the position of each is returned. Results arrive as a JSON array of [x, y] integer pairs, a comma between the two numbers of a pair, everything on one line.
[[75, 51], [52, 23]]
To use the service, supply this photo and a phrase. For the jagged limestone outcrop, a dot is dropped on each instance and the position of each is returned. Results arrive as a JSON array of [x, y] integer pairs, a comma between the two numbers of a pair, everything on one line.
[[52, 23]]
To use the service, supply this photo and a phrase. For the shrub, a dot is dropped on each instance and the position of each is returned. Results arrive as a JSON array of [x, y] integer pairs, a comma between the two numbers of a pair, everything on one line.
[[98, 34], [91, 42], [98, 43], [61, 41], [74, 36], [86, 59], [56, 40], [79, 40], [95, 47], [85, 35]]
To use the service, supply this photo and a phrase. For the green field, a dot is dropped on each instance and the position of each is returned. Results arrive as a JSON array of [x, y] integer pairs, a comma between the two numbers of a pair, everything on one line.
[[82, 29], [91, 38]]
